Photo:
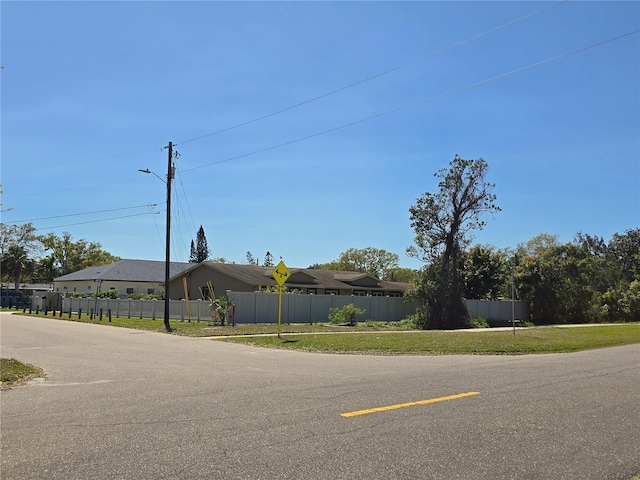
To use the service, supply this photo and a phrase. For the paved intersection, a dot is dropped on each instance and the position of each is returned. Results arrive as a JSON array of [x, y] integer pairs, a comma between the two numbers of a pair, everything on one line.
[[121, 403]]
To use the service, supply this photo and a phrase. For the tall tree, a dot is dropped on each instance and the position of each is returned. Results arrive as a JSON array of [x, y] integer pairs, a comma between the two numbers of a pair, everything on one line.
[[624, 251], [250, 259], [19, 246], [442, 222], [17, 265], [67, 256], [199, 251], [268, 260]]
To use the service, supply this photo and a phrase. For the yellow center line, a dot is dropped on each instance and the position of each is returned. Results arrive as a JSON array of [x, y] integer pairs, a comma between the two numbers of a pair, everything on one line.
[[408, 404]]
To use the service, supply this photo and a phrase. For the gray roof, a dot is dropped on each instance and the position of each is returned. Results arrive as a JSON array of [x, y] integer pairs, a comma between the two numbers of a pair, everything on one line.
[[127, 270], [256, 276]]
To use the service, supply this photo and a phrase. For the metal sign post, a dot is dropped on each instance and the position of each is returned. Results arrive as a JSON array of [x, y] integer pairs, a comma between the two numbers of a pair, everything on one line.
[[513, 300], [281, 273]]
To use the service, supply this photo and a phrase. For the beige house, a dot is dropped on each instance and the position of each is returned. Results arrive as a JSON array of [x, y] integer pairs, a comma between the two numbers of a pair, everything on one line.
[[147, 276], [251, 278]]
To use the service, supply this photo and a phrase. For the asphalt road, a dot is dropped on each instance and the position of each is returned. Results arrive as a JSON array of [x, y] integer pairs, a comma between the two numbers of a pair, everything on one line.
[[125, 404]]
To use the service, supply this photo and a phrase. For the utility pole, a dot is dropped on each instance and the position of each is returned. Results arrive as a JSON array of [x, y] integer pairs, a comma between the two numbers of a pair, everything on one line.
[[167, 266]]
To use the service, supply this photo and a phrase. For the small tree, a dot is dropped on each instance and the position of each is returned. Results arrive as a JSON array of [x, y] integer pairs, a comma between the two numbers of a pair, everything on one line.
[[220, 308], [346, 314], [250, 259]]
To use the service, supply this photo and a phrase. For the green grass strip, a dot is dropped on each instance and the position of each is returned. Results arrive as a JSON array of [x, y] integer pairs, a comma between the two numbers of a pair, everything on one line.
[[13, 372], [525, 341]]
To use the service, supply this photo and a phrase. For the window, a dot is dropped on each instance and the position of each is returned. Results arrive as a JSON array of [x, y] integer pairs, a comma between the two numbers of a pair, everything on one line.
[[395, 294], [151, 291], [129, 290], [332, 292], [359, 293], [377, 294], [312, 291], [206, 293]]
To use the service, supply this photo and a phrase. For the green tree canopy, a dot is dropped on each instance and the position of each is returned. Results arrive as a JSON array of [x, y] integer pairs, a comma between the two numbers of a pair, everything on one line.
[[19, 246], [374, 261], [587, 280], [485, 272], [67, 256]]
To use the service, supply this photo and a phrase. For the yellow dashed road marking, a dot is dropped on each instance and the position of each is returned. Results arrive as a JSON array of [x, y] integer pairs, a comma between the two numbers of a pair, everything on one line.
[[408, 404]]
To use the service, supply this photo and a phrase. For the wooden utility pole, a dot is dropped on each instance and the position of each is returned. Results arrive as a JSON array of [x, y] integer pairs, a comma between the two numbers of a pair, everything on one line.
[[167, 266]]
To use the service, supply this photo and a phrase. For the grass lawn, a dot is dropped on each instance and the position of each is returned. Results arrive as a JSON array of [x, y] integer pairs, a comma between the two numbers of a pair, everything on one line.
[[12, 372], [393, 338], [527, 340], [207, 329]]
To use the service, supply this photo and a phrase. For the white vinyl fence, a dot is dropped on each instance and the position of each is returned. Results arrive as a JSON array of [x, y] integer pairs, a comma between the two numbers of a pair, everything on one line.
[[256, 307], [198, 310]]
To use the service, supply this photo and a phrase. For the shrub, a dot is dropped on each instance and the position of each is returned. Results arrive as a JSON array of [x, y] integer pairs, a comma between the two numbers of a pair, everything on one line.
[[346, 314], [111, 293], [220, 310], [408, 322], [146, 296], [479, 322]]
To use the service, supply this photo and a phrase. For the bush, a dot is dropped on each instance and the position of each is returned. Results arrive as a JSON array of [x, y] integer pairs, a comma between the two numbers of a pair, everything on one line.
[[111, 293], [146, 296], [346, 314], [479, 322], [220, 310]]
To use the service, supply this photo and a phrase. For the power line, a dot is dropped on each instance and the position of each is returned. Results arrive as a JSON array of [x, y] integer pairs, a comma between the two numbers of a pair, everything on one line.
[[377, 75], [429, 99], [152, 205], [359, 82], [97, 221]]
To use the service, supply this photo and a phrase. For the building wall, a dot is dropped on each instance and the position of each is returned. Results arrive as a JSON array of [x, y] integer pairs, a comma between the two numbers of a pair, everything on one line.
[[197, 279], [89, 286]]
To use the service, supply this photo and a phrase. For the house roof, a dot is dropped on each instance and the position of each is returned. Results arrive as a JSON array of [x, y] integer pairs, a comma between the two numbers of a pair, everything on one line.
[[254, 275], [127, 270], [257, 276]]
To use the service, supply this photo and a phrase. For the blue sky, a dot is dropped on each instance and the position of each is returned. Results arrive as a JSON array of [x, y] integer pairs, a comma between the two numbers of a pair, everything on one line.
[[92, 91]]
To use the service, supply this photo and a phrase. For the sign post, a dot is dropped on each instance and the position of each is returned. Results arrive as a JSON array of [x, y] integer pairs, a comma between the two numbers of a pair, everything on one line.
[[281, 273]]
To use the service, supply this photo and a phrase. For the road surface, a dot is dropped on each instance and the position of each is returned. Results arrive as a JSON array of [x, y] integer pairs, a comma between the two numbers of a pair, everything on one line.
[[126, 404]]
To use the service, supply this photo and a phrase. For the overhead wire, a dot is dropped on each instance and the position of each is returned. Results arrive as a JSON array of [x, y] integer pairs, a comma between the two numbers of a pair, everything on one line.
[[97, 221], [177, 239], [324, 95], [152, 205], [186, 199], [377, 75], [359, 82], [419, 102]]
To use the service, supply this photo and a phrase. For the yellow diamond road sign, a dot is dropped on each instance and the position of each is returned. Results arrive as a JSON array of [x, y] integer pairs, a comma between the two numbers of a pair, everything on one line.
[[281, 273]]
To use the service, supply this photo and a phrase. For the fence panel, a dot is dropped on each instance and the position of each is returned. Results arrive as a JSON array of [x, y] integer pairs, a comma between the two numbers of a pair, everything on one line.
[[255, 307]]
